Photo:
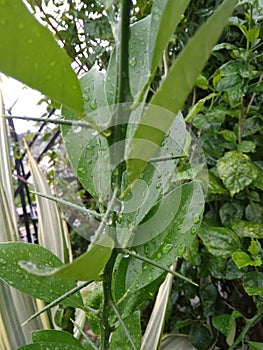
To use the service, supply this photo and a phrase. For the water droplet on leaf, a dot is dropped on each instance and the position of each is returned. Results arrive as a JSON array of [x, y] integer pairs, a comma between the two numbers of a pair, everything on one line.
[[167, 248], [93, 104], [133, 62]]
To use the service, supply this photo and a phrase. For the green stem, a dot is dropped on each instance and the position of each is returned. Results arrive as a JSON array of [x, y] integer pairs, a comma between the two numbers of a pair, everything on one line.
[[116, 145], [123, 82], [90, 213], [58, 301], [249, 323], [152, 262], [126, 331], [105, 326]]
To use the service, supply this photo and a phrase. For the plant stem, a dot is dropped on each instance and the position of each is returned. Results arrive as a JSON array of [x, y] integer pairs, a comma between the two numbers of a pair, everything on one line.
[[126, 331], [116, 145], [58, 301], [152, 262], [249, 323], [106, 328], [123, 93]]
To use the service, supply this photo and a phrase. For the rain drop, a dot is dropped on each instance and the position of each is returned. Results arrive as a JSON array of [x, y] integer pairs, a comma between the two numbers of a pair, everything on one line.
[[133, 62], [179, 227], [126, 256], [181, 250], [158, 185], [93, 104], [150, 278], [2, 21], [21, 25], [167, 248], [77, 130], [82, 171], [197, 219], [193, 230]]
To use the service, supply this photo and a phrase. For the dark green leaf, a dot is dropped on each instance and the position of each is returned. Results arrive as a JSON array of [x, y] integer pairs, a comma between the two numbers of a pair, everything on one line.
[[236, 171], [33, 57], [230, 211], [45, 288], [254, 212], [210, 121], [200, 337], [253, 283], [208, 294], [219, 241]]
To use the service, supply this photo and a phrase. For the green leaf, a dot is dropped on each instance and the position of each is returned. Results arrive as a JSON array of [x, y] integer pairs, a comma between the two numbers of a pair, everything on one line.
[[214, 184], [50, 346], [236, 171], [242, 259], [200, 337], [253, 283], [208, 295], [171, 235], [87, 267], [255, 345], [166, 14], [55, 336], [198, 106], [254, 212], [228, 135], [138, 65], [87, 150], [47, 69], [219, 241], [230, 211], [119, 339], [253, 248], [209, 121], [180, 80], [222, 323], [247, 229], [246, 146], [44, 288]]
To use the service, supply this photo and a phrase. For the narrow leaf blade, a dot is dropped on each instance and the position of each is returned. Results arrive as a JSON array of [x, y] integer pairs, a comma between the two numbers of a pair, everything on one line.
[[87, 267], [33, 56], [180, 80]]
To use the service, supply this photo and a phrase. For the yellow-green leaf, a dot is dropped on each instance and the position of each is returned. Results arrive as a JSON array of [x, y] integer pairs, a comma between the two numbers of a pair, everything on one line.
[[29, 53]]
